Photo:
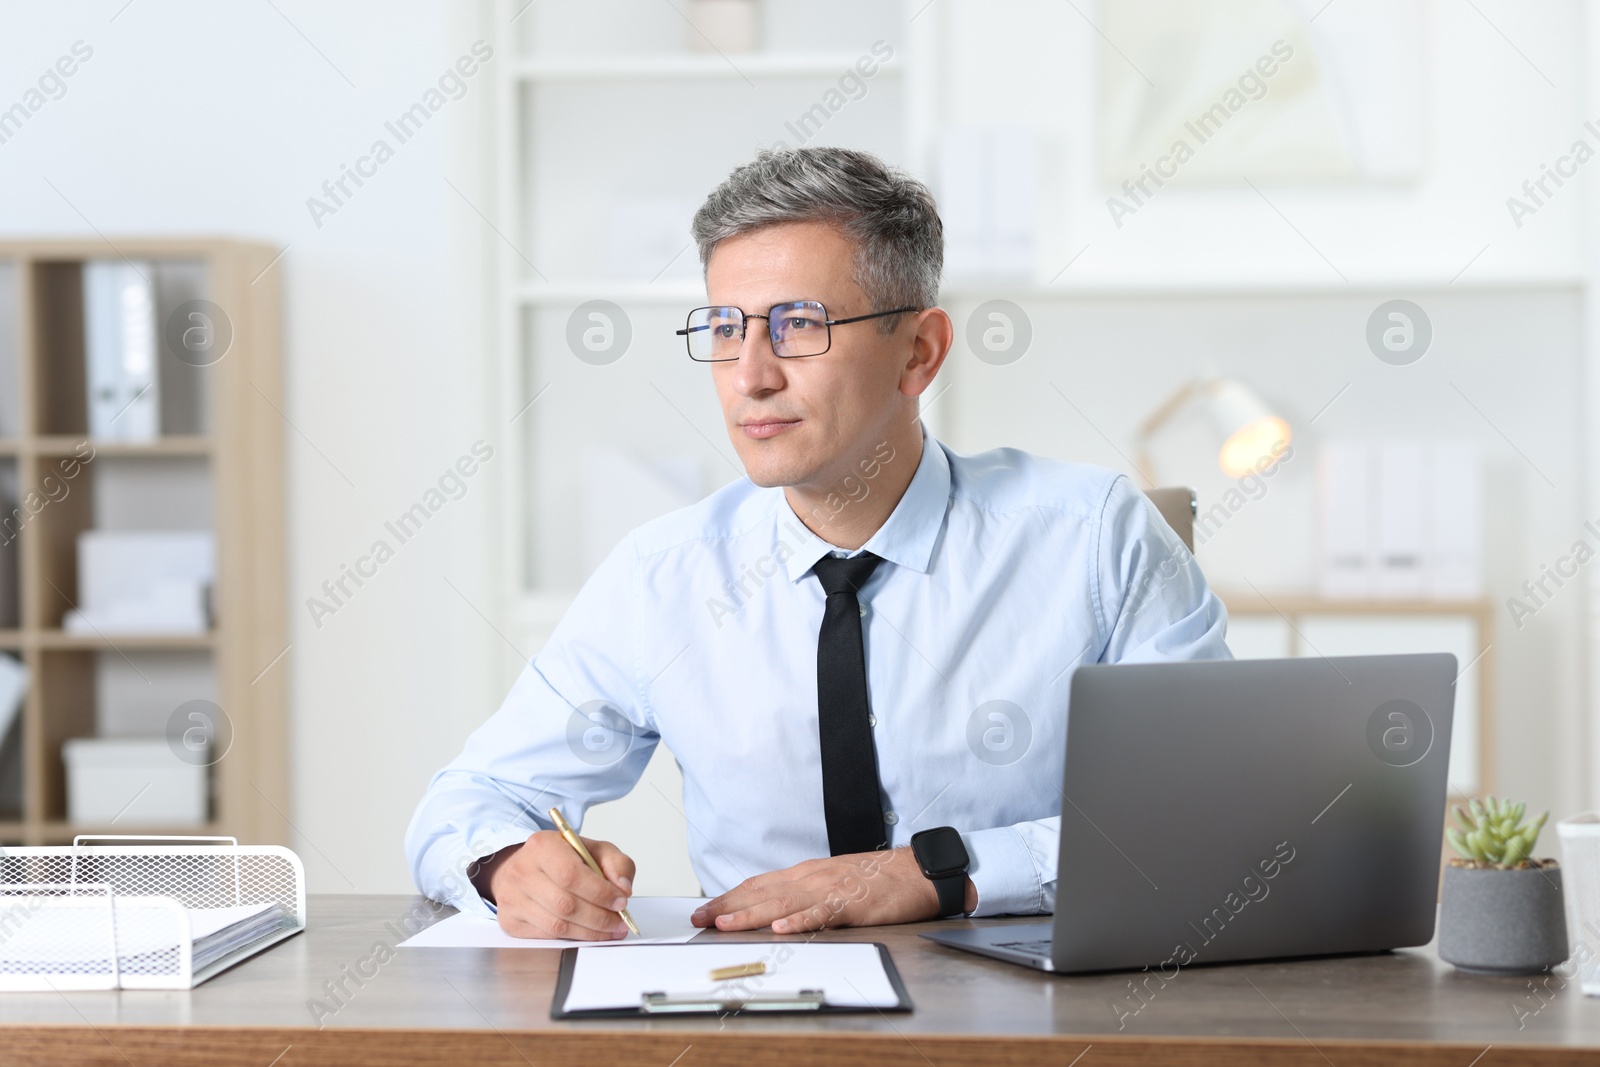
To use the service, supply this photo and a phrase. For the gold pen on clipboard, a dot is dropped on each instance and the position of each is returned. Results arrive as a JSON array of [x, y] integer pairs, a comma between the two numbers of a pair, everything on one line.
[[577, 843]]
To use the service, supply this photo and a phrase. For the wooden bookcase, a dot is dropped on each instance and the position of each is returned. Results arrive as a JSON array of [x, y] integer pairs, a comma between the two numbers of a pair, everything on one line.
[[237, 459]]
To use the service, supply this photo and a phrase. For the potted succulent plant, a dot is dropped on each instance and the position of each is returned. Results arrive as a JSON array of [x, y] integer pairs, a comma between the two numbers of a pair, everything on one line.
[[1501, 911]]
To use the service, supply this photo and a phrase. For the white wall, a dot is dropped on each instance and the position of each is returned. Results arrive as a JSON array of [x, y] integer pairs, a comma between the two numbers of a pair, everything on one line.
[[199, 118], [1588, 229]]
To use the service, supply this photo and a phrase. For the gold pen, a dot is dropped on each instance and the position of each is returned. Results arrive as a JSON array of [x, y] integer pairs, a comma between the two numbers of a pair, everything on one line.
[[577, 842], [739, 970]]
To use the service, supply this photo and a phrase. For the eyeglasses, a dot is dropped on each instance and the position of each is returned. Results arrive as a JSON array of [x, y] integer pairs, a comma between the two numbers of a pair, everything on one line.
[[799, 328]]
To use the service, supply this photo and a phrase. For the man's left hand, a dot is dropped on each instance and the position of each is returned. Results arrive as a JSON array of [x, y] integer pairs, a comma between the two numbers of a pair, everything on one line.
[[864, 889]]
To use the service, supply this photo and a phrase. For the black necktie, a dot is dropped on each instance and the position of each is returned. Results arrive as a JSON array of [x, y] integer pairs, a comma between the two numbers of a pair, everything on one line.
[[850, 801]]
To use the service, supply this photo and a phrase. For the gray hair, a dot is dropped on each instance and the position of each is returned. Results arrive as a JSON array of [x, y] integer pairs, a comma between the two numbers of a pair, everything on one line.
[[889, 216]]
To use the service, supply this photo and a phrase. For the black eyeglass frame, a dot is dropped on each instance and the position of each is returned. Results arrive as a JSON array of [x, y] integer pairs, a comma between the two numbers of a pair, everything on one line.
[[744, 327]]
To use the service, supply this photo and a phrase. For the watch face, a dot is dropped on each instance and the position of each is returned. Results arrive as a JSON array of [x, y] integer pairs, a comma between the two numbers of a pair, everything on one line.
[[940, 852]]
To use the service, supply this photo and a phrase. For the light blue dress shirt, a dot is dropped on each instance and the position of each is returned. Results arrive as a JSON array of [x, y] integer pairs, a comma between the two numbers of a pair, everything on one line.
[[1002, 572]]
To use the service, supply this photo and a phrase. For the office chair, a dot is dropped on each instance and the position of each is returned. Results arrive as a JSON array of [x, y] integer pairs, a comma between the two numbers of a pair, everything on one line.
[[1178, 506]]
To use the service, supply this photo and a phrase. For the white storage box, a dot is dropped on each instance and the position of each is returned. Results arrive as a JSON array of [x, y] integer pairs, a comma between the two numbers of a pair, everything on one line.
[[133, 782], [143, 581]]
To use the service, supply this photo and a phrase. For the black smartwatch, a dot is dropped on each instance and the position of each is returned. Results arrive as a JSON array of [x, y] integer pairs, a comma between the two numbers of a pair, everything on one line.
[[943, 859]]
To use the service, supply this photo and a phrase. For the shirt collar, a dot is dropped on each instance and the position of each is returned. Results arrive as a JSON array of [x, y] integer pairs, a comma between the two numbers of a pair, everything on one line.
[[906, 538]]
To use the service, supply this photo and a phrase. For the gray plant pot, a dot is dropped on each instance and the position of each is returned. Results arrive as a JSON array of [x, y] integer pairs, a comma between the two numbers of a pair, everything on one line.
[[1502, 922]]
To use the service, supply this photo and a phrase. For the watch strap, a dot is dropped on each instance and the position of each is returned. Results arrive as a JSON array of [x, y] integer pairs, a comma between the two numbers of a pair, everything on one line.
[[952, 890]]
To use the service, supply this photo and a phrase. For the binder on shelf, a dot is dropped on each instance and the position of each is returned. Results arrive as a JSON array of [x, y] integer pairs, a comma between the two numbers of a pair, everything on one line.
[[13, 687], [1455, 530], [988, 197], [119, 332], [11, 522], [1402, 551], [150, 916], [1400, 520], [1346, 567]]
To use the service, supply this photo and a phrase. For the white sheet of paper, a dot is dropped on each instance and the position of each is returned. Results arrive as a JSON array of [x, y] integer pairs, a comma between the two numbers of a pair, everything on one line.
[[207, 922], [661, 921], [849, 975]]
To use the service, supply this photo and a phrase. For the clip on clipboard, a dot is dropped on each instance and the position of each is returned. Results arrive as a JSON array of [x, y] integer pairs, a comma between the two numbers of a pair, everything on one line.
[[638, 980]]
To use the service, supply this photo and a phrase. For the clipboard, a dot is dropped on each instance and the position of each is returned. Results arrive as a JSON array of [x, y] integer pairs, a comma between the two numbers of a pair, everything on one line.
[[734, 998]]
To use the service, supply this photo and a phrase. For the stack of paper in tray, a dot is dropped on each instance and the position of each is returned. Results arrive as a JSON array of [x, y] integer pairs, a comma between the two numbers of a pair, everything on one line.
[[46, 932]]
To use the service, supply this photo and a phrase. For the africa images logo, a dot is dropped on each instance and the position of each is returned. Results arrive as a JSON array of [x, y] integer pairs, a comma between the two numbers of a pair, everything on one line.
[[1399, 733]]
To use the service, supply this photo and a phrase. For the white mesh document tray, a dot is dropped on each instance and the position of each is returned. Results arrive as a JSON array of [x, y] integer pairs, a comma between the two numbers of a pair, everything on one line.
[[115, 915]]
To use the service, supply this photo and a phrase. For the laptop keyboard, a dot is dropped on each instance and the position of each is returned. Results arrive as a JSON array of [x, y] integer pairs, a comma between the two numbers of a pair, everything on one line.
[[1041, 947]]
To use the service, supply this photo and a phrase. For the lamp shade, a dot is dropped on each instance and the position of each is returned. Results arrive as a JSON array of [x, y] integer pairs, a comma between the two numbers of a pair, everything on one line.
[[1250, 431]]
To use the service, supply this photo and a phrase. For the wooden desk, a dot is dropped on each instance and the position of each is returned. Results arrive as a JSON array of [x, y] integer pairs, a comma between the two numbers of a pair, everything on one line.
[[489, 1008]]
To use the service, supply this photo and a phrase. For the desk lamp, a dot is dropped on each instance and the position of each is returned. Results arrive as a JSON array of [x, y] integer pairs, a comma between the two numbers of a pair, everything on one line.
[[1248, 429]]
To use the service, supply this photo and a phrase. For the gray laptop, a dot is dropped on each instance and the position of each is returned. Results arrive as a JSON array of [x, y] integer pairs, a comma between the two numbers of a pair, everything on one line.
[[1241, 810]]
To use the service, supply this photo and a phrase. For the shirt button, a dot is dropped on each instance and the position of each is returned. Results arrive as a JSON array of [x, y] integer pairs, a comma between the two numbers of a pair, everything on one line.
[[872, 720], [890, 817], [863, 611]]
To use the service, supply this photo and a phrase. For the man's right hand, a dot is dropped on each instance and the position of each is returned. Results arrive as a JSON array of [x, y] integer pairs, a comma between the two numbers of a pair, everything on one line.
[[542, 888]]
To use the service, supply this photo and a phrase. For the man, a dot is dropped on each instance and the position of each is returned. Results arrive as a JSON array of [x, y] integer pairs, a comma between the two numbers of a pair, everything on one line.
[[869, 637]]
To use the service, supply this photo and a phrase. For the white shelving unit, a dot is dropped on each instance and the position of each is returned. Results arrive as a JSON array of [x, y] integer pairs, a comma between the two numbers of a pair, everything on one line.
[[697, 68], [676, 121]]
